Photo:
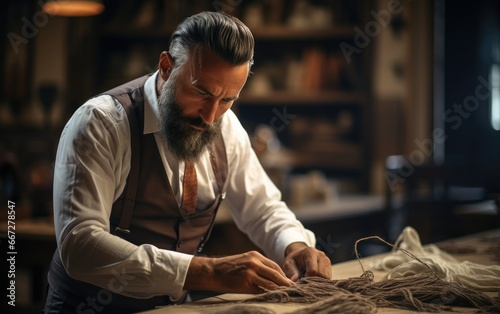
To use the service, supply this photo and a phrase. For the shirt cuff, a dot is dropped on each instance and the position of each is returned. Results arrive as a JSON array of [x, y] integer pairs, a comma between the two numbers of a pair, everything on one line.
[[175, 276], [287, 237]]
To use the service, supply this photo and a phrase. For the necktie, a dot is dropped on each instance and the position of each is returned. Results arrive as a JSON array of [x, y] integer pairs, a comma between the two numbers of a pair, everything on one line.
[[190, 187]]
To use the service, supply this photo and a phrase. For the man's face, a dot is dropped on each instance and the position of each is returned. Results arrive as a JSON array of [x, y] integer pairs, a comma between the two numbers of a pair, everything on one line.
[[193, 100]]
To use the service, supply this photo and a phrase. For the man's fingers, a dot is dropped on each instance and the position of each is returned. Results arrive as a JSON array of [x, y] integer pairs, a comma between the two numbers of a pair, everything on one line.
[[311, 264], [262, 285], [291, 269], [276, 276], [310, 261], [273, 265], [273, 272], [325, 267]]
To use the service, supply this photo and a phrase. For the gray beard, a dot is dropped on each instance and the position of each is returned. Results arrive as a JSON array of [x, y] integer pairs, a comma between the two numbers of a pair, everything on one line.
[[186, 143]]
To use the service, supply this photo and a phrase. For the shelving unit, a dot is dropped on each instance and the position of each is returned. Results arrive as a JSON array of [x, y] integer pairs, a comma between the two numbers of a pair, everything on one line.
[[321, 117], [300, 78], [327, 98]]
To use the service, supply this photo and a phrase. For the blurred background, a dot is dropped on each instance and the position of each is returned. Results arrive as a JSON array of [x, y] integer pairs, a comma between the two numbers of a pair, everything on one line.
[[368, 115]]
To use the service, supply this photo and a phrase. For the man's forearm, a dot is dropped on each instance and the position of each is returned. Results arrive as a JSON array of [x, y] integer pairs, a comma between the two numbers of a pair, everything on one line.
[[199, 275]]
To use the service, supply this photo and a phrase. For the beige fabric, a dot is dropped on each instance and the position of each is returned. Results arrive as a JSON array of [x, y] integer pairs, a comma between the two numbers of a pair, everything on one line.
[[399, 264]]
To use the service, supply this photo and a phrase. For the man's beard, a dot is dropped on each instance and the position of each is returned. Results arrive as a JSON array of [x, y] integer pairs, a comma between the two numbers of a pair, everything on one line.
[[185, 142]]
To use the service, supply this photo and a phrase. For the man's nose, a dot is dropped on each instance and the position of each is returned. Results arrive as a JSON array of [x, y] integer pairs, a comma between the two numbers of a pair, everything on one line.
[[209, 111]]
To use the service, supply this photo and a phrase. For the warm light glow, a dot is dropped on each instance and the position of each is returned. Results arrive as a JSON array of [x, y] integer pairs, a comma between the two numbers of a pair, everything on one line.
[[73, 8]]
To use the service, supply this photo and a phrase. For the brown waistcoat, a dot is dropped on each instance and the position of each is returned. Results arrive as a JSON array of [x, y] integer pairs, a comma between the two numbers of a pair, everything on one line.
[[147, 211]]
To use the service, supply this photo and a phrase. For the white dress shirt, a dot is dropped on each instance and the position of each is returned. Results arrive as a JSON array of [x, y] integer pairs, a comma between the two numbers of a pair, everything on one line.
[[91, 168]]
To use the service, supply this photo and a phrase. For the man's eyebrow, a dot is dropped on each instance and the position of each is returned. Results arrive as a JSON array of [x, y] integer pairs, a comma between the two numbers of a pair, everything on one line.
[[205, 90], [201, 88]]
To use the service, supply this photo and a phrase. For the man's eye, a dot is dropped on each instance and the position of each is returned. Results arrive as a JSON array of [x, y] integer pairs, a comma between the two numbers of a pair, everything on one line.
[[201, 93]]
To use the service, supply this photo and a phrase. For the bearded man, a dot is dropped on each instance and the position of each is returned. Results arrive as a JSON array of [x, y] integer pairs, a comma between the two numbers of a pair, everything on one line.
[[141, 171]]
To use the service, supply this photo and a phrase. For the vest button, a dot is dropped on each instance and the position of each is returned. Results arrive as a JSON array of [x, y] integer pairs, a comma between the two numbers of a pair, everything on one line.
[[180, 243], [184, 221]]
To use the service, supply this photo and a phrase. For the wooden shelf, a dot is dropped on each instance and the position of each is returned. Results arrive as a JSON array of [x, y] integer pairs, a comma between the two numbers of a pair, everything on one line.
[[295, 98], [137, 33], [338, 155], [333, 156], [286, 33], [261, 33]]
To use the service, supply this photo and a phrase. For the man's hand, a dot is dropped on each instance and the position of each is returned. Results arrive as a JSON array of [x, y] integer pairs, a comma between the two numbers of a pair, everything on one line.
[[304, 261], [243, 273]]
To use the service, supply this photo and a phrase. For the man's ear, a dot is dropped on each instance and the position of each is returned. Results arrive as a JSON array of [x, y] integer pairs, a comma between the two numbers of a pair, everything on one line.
[[165, 65]]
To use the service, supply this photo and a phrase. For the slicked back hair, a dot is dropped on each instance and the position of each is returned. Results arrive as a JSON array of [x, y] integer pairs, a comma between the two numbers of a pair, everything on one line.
[[223, 34]]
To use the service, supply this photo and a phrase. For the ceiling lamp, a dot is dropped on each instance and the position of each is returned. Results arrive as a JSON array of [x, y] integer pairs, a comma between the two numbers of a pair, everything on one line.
[[73, 7]]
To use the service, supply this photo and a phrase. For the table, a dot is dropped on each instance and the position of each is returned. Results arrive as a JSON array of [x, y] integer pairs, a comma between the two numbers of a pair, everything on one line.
[[476, 248]]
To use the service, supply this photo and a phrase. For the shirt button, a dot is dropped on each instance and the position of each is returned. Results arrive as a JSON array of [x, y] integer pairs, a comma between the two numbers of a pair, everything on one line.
[[180, 243]]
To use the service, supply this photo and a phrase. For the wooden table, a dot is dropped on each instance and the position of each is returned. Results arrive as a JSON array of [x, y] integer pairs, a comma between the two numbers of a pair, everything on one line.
[[477, 249]]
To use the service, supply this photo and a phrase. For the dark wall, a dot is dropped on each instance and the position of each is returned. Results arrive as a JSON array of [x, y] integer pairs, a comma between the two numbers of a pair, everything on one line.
[[472, 31]]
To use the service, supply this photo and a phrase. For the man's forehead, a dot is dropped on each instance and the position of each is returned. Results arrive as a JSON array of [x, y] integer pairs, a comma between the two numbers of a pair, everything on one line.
[[202, 62], [195, 65], [200, 58]]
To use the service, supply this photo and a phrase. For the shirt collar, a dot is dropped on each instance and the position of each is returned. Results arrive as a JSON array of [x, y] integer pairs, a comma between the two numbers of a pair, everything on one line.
[[151, 111]]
